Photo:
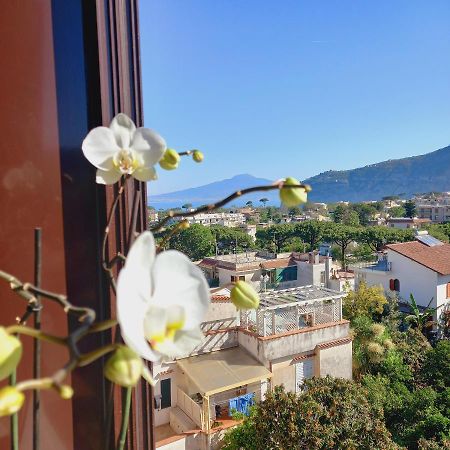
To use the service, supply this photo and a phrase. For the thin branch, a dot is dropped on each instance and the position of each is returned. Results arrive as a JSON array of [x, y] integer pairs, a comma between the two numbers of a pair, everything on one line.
[[27, 331], [173, 214], [172, 232], [86, 317], [107, 266]]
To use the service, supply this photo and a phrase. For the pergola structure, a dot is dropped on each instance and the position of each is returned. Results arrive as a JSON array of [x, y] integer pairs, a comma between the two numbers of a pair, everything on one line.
[[219, 372], [287, 310]]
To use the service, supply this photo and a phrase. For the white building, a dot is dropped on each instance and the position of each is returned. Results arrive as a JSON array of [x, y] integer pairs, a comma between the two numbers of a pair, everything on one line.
[[266, 270], [293, 335], [405, 223], [420, 267], [436, 209], [224, 218]]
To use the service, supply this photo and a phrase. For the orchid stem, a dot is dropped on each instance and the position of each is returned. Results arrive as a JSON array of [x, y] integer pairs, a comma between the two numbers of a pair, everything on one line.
[[125, 419], [20, 329], [14, 418]]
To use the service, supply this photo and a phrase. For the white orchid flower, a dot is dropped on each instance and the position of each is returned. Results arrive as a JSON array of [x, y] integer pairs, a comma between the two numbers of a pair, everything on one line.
[[123, 149], [161, 301]]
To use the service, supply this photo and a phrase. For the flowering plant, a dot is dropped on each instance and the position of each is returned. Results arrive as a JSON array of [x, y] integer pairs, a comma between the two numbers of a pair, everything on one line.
[[162, 297]]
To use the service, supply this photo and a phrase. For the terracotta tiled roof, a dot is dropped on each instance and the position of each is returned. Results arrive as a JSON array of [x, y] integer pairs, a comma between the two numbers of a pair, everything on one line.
[[220, 298], [278, 263], [436, 258]]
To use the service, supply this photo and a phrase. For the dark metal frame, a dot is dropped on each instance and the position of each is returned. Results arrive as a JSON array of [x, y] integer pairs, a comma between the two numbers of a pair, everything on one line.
[[98, 75]]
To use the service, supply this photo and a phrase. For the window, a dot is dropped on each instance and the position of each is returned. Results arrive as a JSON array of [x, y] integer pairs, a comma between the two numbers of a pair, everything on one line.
[[235, 278], [166, 393], [397, 285], [394, 285]]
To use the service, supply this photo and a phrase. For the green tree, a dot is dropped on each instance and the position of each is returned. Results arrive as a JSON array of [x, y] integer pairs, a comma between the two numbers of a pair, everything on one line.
[[365, 212], [187, 206], [364, 301], [264, 200], [274, 237], [249, 204], [329, 414], [310, 231], [196, 242], [341, 235], [436, 367], [377, 237], [418, 318], [397, 211], [410, 209], [231, 239]]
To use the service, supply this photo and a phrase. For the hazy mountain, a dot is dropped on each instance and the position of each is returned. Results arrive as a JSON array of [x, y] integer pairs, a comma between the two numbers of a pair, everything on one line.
[[406, 176], [210, 193]]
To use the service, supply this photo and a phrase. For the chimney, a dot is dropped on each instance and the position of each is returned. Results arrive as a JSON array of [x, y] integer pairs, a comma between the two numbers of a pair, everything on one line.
[[327, 270], [316, 257], [311, 257]]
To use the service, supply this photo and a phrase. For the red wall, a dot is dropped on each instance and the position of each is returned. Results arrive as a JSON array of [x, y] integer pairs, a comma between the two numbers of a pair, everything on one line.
[[30, 196]]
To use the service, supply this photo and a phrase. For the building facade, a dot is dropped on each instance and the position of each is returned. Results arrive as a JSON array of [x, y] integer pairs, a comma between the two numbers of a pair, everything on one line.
[[295, 334]]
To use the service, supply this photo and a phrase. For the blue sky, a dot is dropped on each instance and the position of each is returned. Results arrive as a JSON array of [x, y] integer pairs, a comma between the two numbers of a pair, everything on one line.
[[294, 88]]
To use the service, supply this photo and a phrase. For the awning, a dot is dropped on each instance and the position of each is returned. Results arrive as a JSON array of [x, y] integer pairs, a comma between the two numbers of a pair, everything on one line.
[[223, 370]]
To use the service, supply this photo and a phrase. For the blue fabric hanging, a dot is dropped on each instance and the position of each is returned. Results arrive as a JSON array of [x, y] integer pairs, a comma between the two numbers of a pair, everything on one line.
[[242, 403]]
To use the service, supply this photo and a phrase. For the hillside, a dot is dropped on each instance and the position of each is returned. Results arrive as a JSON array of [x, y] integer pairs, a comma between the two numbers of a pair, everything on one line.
[[406, 176]]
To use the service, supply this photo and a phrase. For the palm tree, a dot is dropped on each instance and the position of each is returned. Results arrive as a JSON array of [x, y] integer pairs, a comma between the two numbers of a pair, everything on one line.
[[264, 201], [419, 319], [249, 204]]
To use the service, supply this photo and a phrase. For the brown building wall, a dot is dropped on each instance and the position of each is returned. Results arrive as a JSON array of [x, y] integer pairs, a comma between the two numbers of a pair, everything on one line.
[[30, 196]]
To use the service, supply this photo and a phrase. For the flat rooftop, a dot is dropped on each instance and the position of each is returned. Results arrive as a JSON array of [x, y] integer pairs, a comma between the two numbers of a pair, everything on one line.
[[301, 294]]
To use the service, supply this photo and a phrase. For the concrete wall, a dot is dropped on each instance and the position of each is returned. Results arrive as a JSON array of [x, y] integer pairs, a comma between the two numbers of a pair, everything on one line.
[[308, 274], [216, 341], [265, 350], [335, 361], [250, 275], [218, 311], [163, 416], [441, 291], [284, 374]]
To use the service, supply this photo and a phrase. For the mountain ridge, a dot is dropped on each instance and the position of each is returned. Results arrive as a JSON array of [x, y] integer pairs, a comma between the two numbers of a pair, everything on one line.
[[406, 176]]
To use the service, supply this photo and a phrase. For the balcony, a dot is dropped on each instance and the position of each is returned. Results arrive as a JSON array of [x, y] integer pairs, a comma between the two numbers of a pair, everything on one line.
[[383, 265], [293, 309]]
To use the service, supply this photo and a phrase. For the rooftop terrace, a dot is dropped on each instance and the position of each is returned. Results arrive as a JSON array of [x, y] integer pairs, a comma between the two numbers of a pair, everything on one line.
[[293, 309]]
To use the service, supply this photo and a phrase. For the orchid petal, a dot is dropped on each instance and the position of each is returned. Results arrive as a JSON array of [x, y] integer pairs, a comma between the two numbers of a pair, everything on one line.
[[107, 176], [182, 345], [147, 375], [99, 147], [190, 289], [141, 258], [123, 129], [131, 309], [149, 145], [145, 174], [155, 322]]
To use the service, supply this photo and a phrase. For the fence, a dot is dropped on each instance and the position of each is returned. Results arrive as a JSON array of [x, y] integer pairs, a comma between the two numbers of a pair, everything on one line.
[[192, 409], [267, 322]]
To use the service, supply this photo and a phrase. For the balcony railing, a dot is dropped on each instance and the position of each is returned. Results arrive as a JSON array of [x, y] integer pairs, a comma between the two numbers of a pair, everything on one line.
[[271, 321]]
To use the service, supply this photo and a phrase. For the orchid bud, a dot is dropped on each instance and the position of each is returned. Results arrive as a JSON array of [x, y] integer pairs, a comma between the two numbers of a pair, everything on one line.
[[295, 196], [184, 225], [170, 159], [197, 156], [244, 296], [124, 367], [11, 400], [66, 392], [10, 353]]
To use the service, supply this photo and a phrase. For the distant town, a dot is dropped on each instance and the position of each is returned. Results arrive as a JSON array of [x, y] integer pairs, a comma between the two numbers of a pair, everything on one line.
[[348, 291]]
